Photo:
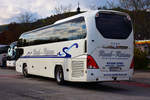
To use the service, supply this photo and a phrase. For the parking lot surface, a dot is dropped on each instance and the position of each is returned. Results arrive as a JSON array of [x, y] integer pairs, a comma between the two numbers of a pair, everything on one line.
[[13, 86]]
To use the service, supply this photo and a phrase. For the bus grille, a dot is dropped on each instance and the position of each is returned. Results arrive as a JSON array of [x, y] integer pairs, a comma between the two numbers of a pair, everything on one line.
[[77, 69]]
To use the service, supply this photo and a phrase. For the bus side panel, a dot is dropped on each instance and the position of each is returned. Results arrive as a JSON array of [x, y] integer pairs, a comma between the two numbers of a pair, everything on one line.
[[42, 59], [19, 65]]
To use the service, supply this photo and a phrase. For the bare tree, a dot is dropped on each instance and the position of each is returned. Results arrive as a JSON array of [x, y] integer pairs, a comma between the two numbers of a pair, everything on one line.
[[97, 5], [135, 4], [26, 17], [93, 7], [62, 9], [111, 4]]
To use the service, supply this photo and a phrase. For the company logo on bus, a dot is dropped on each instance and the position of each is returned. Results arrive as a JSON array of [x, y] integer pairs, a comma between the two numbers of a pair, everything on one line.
[[65, 51]]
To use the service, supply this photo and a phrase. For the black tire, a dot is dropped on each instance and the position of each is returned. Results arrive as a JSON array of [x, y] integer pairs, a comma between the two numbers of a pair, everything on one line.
[[25, 71], [59, 76], [4, 62]]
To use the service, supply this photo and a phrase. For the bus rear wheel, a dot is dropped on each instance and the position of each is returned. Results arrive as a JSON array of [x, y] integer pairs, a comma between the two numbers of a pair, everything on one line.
[[59, 76]]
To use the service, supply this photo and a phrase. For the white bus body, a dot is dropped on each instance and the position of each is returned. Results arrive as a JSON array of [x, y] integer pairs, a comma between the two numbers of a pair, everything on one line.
[[93, 46], [11, 63]]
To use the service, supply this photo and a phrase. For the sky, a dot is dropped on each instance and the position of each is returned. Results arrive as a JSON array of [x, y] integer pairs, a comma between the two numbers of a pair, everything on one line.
[[10, 9]]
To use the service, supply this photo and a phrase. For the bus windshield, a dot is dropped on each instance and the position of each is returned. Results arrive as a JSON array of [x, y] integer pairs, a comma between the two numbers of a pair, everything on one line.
[[113, 26]]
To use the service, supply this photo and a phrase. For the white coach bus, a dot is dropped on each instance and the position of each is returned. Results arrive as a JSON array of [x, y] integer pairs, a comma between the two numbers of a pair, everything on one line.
[[90, 47]]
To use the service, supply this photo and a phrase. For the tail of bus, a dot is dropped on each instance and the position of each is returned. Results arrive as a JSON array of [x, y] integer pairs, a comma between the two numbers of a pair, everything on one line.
[[110, 47]]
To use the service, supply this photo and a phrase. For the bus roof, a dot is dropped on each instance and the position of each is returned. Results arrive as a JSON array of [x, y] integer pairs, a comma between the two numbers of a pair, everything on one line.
[[70, 18], [92, 13], [87, 13], [3, 45]]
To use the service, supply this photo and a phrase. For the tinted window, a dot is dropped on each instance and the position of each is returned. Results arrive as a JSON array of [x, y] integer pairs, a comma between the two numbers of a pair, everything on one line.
[[4, 49], [113, 26], [71, 30]]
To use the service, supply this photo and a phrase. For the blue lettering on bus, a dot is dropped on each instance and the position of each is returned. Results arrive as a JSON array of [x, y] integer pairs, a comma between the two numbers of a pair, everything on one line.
[[63, 54], [115, 64]]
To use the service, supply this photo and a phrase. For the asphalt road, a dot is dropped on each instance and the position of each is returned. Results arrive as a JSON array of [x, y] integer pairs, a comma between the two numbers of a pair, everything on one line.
[[14, 86]]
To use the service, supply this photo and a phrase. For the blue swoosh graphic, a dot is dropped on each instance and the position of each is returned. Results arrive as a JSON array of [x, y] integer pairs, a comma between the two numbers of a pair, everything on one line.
[[66, 50]]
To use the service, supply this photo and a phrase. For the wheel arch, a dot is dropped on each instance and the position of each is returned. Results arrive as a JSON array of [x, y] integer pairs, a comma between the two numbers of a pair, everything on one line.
[[55, 69], [24, 65]]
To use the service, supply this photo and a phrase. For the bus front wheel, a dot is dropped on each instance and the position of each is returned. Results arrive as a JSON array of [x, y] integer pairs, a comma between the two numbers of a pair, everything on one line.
[[25, 71], [59, 75]]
